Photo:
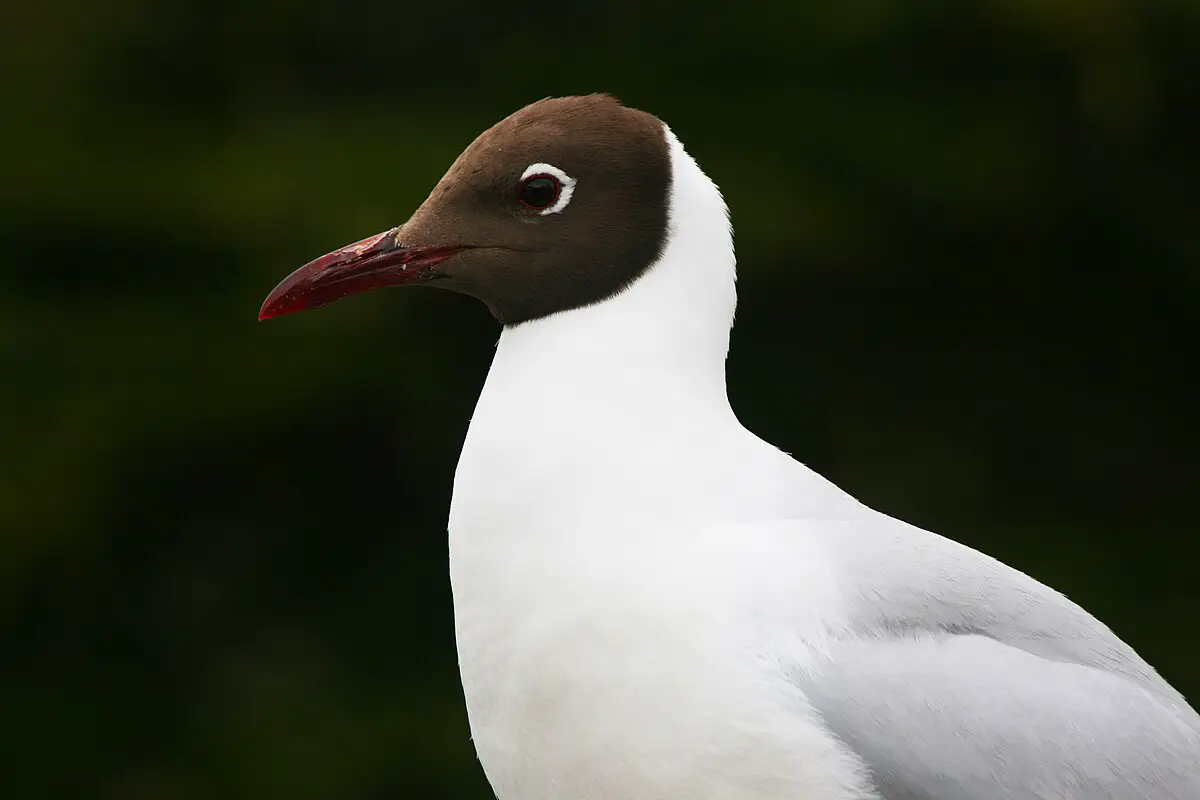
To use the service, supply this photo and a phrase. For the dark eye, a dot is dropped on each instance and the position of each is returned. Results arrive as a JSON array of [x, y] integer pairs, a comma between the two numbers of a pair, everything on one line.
[[540, 191]]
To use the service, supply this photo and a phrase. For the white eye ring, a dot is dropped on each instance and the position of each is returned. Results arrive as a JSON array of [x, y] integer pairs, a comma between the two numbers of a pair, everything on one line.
[[565, 181]]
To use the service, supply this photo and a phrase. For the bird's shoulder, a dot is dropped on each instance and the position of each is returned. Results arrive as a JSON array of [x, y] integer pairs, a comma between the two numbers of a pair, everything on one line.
[[901, 579]]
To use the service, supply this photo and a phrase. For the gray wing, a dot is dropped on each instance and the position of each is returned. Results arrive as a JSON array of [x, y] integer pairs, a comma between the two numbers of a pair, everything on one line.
[[965, 717], [959, 678]]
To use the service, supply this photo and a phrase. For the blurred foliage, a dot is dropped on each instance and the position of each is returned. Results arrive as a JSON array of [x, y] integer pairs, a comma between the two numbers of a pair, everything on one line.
[[971, 263]]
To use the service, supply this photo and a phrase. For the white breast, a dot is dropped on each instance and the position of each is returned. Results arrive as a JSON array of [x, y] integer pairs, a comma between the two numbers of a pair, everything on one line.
[[588, 678]]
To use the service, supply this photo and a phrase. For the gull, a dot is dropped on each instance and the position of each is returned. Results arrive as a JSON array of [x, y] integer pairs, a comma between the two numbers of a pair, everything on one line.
[[651, 602]]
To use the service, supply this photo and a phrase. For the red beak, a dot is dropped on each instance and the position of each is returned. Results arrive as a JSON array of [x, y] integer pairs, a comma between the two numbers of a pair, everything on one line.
[[373, 263]]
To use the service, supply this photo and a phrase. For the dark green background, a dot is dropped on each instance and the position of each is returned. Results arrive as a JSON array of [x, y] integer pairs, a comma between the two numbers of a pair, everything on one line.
[[970, 269]]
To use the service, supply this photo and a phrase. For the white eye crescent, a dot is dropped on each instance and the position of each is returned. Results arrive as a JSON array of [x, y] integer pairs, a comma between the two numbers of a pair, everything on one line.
[[545, 188]]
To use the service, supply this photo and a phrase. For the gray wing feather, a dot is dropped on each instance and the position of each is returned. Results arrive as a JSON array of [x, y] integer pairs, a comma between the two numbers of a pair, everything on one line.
[[970, 718], [960, 678]]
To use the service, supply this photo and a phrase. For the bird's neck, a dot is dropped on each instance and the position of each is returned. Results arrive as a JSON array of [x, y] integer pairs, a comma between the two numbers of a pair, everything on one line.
[[581, 412], [635, 361]]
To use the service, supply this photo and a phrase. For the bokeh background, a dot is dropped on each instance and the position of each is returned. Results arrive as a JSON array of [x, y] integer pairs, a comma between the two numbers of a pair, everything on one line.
[[970, 273]]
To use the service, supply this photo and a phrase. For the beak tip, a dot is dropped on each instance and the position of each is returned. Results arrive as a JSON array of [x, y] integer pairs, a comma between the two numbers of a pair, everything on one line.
[[283, 299], [269, 310], [270, 307]]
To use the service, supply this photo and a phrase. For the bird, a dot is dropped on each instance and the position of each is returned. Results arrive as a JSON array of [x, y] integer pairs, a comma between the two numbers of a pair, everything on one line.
[[653, 603]]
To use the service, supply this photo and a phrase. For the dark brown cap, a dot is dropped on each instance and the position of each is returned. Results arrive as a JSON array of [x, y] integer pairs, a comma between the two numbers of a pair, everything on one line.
[[560, 205]]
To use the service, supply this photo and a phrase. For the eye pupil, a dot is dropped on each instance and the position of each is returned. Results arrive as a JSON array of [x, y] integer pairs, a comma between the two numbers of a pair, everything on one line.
[[540, 191]]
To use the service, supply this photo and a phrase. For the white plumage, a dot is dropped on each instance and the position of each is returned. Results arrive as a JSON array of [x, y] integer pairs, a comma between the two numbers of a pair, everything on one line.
[[654, 604]]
